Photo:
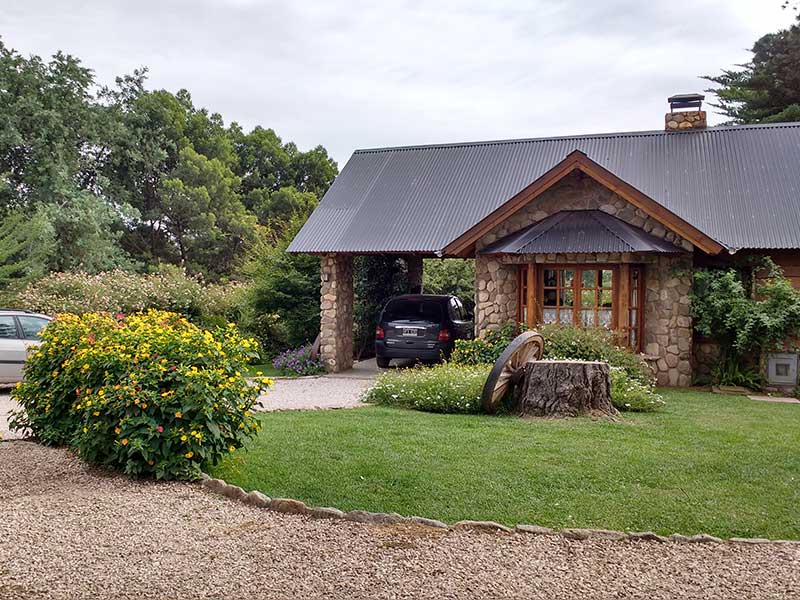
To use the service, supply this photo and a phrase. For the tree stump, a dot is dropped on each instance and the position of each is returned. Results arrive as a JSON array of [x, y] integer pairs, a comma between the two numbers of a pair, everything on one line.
[[565, 388]]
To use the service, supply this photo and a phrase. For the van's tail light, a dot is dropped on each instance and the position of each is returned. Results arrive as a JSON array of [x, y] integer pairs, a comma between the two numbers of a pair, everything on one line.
[[444, 335], [379, 334]]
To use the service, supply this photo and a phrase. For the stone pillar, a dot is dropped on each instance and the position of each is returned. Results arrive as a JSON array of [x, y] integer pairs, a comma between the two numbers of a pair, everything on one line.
[[414, 268], [668, 319], [336, 304], [495, 294]]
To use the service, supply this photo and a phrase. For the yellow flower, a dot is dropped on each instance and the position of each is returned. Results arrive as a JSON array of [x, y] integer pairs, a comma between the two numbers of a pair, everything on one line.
[[184, 438], [96, 413], [117, 430], [124, 441], [178, 415], [189, 454], [85, 430], [232, 449]]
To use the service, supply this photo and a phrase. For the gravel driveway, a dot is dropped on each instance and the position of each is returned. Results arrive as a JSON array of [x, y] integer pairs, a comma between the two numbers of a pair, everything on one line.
[[70, 532], [341, 390], [6, 405], [308, 393]]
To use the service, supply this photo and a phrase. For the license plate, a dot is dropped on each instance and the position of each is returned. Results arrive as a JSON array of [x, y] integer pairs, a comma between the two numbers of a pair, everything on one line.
[[409, 331]]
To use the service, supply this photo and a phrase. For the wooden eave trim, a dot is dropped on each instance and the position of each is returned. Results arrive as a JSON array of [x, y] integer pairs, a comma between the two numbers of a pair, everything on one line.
[[463, 245]]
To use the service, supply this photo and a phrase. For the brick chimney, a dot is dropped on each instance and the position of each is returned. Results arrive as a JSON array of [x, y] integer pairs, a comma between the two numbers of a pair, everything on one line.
[[681, 120]]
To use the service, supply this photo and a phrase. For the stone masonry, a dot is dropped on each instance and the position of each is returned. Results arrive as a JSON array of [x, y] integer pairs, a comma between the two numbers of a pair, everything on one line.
[[668, 326], [336, 322], [691, 119]]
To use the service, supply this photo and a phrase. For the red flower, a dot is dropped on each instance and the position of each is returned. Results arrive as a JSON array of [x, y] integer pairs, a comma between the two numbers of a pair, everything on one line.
[[160, 429], [91, 337]]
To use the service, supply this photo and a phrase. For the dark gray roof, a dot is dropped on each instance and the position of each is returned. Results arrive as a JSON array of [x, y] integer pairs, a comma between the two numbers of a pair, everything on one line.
[[579, 231], [738, 185]]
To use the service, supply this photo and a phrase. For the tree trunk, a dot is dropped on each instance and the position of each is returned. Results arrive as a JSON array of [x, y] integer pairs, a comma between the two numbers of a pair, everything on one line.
[[564, 388]]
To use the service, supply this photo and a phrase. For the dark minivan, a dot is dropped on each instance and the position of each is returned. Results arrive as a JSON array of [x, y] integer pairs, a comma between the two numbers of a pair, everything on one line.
[[420, 326]]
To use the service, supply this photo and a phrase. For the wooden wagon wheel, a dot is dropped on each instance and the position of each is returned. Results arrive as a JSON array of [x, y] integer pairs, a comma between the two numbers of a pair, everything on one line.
[[526, 347]]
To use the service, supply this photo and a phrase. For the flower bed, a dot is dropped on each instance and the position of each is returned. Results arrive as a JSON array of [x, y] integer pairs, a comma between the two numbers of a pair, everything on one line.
[[298, 361], [445, 388]]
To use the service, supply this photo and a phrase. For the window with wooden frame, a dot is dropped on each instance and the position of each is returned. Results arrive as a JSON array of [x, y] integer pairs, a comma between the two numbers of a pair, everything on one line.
[[607, 296]]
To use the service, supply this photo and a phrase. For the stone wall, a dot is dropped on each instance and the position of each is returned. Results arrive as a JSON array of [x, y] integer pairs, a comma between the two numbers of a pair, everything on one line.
[[705, 354], [668, 326], [690, 119], [336, 304]]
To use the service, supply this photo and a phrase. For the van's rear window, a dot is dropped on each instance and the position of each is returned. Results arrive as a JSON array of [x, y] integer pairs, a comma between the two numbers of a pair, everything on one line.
[[408, 310]]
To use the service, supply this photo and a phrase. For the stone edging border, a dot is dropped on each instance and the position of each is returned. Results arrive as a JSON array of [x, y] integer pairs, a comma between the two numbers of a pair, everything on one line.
[[296, 507]]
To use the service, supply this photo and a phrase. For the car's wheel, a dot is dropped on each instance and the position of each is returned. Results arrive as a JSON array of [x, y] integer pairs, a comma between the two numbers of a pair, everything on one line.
[[383, 363]]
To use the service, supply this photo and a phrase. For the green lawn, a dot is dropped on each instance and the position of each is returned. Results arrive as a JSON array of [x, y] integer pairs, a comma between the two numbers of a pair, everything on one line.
[[724, 465], [267, 370]]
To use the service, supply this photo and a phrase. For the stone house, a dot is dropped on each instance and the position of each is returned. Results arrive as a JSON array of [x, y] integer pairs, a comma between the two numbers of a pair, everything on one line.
[[596, 230]]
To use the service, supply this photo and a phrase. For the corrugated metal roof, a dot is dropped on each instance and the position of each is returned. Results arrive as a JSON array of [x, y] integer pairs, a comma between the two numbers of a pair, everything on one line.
[[579, 231], [738, 185]]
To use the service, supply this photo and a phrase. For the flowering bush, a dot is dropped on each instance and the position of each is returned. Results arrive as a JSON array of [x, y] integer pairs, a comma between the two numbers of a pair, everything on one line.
[[120, 291], [298, 361], [630, 394], [445, 388], [148, 393]]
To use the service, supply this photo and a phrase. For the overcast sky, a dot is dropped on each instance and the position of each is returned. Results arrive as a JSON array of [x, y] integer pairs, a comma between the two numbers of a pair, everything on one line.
[[362, 74]]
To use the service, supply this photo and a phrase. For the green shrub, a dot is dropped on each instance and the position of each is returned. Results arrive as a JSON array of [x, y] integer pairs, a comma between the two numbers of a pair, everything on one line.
[[121, 291], [566, 341], [148, 393], [486, 349], [746, 310], [445, 388], [283, 284], [631, 394]]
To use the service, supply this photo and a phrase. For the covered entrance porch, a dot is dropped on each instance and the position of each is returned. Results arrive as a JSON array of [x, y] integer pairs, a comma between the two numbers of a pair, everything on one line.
[[583, 268]]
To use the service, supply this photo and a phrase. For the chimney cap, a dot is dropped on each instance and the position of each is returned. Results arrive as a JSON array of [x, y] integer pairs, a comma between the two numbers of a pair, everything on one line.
[[686, 101]]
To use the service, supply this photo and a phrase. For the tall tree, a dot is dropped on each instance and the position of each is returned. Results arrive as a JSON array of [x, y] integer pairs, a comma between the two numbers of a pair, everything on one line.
[[767, 89], [203, 214], [24, 246], [52, 148]]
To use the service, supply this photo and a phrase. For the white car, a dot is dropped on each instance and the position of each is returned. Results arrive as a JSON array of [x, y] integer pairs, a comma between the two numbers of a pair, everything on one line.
[[19, 331]]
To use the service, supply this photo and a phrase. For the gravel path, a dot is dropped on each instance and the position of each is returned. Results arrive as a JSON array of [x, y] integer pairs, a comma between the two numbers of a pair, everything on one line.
[[305, 393], [70, 532], [6, 405], [315, 392]]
